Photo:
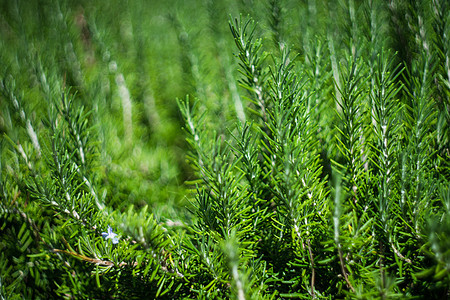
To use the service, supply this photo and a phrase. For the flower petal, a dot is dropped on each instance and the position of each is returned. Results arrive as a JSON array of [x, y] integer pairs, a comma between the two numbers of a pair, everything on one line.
[[110, 235]]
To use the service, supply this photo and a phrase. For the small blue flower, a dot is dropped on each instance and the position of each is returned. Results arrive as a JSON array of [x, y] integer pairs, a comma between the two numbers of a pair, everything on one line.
[[110, 235]]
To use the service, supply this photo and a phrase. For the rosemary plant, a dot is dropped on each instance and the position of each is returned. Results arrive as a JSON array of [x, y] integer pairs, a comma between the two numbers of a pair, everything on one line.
[[250, 150]]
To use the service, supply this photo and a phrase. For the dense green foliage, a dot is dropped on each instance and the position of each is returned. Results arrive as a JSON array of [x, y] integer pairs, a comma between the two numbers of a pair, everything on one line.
[[316, 135]]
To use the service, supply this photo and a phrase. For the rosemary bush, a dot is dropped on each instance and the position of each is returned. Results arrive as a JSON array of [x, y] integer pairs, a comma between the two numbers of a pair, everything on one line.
[[250, 150]]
